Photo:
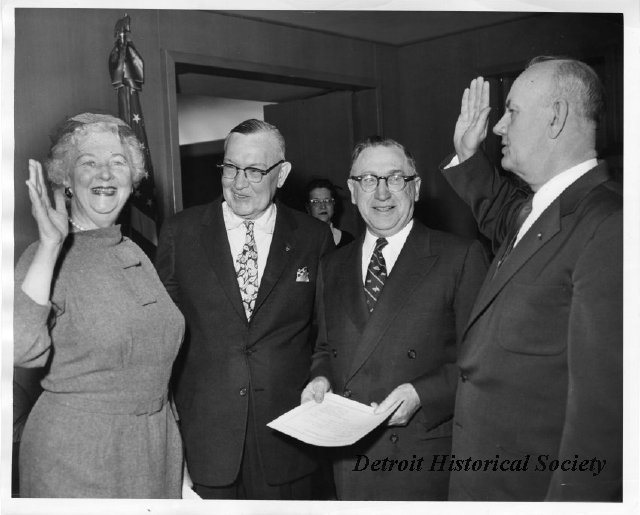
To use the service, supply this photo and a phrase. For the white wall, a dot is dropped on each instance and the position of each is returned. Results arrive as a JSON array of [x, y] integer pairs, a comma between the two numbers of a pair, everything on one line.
[[205, 118]]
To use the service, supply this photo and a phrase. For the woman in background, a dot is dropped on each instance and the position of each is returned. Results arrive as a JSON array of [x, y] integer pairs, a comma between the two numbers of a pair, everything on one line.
[[89, 304], [321, 204]]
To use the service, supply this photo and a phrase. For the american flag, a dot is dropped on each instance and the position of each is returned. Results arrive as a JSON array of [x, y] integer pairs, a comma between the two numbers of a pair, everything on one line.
[[127, 76]]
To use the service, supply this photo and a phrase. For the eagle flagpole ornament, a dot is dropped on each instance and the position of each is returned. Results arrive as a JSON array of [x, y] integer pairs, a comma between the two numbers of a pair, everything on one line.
[[126, 68]]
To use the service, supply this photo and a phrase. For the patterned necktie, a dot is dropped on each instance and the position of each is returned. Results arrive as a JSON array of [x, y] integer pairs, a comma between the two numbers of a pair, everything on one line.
[[376, 274], [248, 271]]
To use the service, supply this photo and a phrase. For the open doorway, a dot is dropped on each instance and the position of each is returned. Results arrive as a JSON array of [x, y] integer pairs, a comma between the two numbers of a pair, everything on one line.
[[320, 117], [209, 105]]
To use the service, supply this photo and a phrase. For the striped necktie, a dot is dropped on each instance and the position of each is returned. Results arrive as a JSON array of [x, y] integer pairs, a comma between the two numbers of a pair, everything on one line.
[[376, 274], [247, 266]]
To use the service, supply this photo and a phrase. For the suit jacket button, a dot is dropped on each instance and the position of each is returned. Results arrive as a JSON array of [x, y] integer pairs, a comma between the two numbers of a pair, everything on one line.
[[394, 438], [243, 392], [335, 353], [411, 354], [463, 377], [347, 393]]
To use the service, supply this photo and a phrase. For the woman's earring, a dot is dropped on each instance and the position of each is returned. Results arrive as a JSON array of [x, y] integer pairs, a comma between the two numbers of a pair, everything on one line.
[[68, 193]]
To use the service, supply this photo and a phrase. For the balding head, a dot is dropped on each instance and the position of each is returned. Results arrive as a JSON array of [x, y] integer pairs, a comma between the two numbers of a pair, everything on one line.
[[550, 120], [575, 82]]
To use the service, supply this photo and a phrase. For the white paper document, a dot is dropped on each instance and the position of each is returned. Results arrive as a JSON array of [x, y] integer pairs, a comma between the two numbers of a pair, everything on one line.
[[334, 422]]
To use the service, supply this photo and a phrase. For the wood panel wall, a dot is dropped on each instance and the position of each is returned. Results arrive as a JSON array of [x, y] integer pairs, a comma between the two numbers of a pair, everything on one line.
[[61, 69], [433, 74]]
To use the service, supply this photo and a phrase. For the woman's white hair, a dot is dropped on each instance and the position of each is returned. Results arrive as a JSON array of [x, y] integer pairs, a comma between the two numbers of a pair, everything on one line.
[[65, 140]]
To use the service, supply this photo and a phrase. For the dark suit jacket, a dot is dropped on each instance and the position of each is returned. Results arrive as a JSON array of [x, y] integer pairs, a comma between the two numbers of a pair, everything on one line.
[[228, 363], [345, 239], [541, 363], [411, 337]]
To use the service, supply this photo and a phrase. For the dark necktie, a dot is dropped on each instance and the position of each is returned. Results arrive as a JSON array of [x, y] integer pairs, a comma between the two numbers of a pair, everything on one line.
[[248, 271], [522, 216], [376, 274]]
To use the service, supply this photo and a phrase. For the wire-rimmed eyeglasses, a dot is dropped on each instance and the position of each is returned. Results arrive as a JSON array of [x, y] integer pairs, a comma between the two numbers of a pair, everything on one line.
[[395, 182], [253, 174], [321, 201]]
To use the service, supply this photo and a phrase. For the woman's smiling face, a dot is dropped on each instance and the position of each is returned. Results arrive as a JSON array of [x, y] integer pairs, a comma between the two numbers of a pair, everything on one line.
[[100, 178]]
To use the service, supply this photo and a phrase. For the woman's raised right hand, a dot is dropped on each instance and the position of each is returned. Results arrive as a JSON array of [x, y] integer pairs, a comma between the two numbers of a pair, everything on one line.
[[53, 223]]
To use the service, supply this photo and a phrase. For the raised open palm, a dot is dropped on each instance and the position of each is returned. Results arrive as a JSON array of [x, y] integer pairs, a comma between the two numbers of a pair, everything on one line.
[[471, 127], [53, 224]]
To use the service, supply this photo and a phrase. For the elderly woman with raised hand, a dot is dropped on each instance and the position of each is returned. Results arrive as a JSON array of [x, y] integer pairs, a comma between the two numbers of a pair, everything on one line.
[[89, 303]]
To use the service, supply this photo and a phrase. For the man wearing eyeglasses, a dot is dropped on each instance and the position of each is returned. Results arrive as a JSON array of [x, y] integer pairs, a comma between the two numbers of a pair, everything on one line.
[[243, 270], [392, 306]]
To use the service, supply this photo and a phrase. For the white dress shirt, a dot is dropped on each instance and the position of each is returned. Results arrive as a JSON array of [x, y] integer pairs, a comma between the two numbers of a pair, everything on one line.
[[262, 232], [390, 252], [550, 191]]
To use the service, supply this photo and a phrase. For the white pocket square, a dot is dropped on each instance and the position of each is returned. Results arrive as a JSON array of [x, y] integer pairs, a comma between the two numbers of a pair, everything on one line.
[[302, 276]]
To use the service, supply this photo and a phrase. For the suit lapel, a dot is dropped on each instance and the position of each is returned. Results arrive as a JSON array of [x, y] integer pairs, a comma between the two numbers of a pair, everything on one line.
[[352, 292], [414, 263], [216, 245], [541, 232], [283, 245]]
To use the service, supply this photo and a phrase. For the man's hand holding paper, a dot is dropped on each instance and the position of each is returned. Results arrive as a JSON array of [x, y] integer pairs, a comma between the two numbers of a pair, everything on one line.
[[407, 400], [315, 390], [334, 422]]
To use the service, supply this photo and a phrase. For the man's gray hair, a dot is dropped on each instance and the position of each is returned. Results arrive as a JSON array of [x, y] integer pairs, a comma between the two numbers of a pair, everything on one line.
[[379, 141], [254, 126], [577, 83]]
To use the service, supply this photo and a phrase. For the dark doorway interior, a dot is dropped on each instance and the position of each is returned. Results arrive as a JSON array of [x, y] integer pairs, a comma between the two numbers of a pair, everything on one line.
[[200, 177]]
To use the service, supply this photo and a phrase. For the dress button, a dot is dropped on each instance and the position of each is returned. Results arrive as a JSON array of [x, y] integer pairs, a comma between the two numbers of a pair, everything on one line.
[[243, 392], [411, 354], [394, 438], [335, 353], [347, 393]]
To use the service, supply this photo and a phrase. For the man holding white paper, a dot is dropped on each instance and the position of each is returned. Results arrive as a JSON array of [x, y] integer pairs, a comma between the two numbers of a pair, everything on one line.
[[391, 309]]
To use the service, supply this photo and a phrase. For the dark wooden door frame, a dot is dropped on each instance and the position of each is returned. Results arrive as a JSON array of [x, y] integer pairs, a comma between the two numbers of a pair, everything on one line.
[[170, 185]]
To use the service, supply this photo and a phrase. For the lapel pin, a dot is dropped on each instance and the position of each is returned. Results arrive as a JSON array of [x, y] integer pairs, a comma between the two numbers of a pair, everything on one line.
[[302, 276], [287, 248]]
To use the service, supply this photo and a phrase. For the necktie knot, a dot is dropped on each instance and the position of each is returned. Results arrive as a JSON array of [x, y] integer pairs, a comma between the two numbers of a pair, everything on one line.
[[525, 211], [381, 243]]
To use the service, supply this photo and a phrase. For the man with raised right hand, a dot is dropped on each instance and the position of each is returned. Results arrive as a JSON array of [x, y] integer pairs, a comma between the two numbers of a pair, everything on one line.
[[541, 360]]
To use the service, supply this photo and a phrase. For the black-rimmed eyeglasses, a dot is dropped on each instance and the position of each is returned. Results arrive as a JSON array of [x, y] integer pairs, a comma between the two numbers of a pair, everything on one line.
[[253, 174], [395, 182]]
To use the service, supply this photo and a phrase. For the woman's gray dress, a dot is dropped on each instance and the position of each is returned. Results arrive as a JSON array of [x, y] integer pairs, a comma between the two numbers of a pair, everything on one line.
[[102, 427]]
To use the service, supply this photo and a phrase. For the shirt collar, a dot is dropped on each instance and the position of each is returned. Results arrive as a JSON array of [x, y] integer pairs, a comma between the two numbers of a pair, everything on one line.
[[265, 223], [395, 241], [551, 189]]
